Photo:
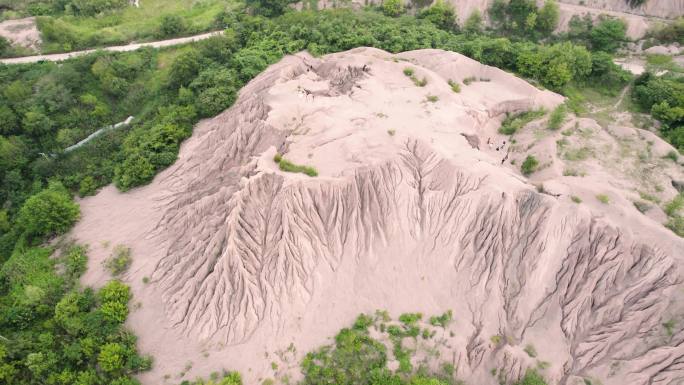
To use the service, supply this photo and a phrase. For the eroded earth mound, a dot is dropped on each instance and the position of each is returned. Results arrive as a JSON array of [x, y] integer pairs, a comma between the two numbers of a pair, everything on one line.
[[415, 207]]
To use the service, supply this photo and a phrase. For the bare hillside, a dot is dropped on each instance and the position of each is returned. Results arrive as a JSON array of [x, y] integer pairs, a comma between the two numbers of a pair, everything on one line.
[[418, 205]]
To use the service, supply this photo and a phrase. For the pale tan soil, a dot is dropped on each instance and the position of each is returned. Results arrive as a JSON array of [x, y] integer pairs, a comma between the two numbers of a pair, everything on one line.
[[21, 32], [407, 214], [634, 64]]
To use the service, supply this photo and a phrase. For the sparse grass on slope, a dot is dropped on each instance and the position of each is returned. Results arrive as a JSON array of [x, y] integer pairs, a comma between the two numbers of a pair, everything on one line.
[[513, 123], [287, 166]]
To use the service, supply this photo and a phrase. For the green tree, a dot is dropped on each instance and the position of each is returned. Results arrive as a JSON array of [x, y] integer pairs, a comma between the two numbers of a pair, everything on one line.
[[115, 291], [473, 24], [214, 100], [88, 186], [608, 35], [171, 25], [519, 12], [134, 171], [392, 8], [8, 120], [184, 69], [36, 122], [497, 13], [531, 21], [441, 14], [49, 212], [269, 8], [112, 357], [12, 153], [548, 16], [4, 46]]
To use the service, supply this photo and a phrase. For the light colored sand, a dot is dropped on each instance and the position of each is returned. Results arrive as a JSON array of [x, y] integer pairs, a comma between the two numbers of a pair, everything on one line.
[[21, 32], [245, 259]]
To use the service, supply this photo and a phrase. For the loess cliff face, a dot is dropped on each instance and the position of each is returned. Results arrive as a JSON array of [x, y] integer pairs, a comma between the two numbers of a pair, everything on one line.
[[411, 210]]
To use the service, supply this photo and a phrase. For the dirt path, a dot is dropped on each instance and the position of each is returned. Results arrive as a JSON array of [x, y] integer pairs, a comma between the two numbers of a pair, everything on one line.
[[121, 48], [617, 103]]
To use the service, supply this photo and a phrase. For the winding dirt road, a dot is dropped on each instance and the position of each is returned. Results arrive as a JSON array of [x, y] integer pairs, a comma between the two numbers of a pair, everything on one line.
[[121, 48]]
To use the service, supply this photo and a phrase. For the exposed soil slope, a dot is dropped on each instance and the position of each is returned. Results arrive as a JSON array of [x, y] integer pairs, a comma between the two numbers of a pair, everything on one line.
[[21, 32], [412, 211]]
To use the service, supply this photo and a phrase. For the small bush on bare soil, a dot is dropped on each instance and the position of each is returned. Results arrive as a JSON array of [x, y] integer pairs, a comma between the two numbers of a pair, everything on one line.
[[529, 165], [119, 261]]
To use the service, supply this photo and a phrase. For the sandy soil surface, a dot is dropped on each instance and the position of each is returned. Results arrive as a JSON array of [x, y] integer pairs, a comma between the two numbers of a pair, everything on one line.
[[21, 32], [419, 205], [633, 64], [121, 48]]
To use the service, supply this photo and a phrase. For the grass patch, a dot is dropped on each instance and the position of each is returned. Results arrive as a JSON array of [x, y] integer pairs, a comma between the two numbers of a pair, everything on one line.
[[454, 86], [529, 165], [119, 261], [673, 207], [649, 197], [676, 224], [442, 320], [515, 122], [557, 117], [432, 98], [672, 155], [603, 198], [577, 154], [573, 172], [576, 199], [658, 59], [408, 71], [530, 350], [469, 80], [419, 82], [287, 166]]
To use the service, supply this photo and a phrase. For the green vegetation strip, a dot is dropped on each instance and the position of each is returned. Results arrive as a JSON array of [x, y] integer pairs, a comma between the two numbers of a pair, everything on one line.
[[287, 166]]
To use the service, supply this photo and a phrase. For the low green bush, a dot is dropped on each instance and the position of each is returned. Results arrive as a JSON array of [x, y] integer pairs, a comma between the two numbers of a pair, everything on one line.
[[513, 123], [557, 117], [603, 198], [529, 165], [287, 166], [49, 212], [119, 261], [171, 25], [442, 320], [454, 86]]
